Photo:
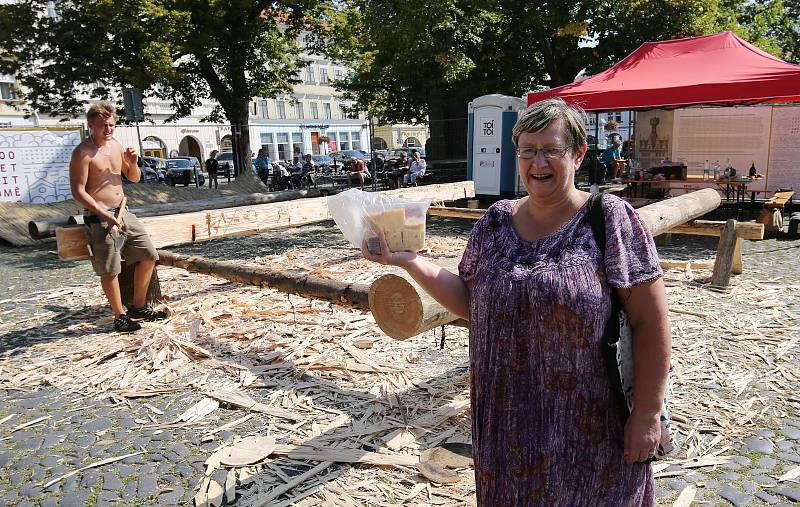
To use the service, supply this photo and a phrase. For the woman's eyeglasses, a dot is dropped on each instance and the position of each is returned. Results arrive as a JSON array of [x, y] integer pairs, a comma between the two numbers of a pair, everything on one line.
[[548, 153]]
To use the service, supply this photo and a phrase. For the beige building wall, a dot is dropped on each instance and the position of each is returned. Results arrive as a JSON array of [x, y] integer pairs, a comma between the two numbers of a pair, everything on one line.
[[397, 136]]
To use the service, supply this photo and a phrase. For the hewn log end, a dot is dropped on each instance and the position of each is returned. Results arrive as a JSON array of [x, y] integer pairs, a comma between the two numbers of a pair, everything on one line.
[[396, 306]]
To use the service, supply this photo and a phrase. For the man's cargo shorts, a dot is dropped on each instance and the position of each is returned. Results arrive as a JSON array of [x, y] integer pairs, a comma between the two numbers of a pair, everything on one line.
[[105, 259]]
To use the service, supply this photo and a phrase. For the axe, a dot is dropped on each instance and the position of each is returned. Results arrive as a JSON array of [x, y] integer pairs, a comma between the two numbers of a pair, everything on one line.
[[120, 239]]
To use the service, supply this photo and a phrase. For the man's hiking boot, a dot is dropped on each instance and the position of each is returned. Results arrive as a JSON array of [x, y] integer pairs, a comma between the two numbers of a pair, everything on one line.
[[146, 313], [124, 324]]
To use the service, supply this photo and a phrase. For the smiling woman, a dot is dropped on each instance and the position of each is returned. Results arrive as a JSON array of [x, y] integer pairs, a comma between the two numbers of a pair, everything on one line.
[[536, 289]]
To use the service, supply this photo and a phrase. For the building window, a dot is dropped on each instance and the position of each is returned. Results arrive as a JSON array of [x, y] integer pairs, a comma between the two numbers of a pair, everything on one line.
[[284, 152], [281, 109], [337, 74], [264, 109], [333, 141], [253, 108], [326, 110], [8, 91], [356, 140], [323, 75], [314, 111], [267, 141], [618, 117], [8, 87], [298, 109], [344, 143], [342, 111], [297, 143], [310, 78]]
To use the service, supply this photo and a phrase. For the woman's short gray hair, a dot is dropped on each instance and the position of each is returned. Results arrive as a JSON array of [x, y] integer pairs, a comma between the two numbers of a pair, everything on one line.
[[540, 115]]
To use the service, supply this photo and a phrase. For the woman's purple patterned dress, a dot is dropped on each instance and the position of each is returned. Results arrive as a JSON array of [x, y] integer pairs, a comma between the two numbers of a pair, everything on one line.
[[544, 427]]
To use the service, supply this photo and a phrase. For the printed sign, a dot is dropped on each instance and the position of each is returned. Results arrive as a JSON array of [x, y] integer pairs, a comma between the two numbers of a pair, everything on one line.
[[34, 164]]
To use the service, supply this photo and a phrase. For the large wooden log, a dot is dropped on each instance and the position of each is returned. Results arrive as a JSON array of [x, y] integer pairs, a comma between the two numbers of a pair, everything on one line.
[[403, 310], [292, 282]]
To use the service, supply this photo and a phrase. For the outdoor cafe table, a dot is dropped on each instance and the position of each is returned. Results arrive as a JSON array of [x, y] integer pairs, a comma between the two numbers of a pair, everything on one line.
[[734, 189]]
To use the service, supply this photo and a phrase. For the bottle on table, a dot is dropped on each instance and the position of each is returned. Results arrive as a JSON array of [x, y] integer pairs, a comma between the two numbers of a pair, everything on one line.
[[728, 168], [716, 170], [706, 170], [753, 173]]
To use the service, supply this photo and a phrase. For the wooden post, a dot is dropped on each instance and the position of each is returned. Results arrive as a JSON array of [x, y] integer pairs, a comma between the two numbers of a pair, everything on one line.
[[125, 279], [724, 260]]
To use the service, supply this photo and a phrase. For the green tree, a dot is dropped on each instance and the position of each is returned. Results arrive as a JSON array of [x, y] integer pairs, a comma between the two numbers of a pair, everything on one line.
[[180, 50], [418, 58], [774, 26]]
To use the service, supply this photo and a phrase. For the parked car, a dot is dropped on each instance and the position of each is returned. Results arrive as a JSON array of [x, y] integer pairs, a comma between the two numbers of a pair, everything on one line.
[[149, 175], [322, 161], [225, 160], [184, 170], [159, 165]]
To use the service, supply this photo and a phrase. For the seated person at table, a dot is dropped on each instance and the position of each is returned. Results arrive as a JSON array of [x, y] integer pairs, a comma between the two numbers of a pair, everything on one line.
[[309, 170], [357, 171], [280, 177], [610, 157], [397, 172], [415, 170], [297, 171]]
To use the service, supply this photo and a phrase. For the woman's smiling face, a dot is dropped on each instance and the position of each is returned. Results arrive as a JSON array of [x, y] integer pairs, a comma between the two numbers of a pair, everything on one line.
[[547, 164]]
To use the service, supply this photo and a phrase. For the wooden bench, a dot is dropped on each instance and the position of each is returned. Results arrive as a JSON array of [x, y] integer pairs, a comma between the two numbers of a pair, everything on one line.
[[779, 200]]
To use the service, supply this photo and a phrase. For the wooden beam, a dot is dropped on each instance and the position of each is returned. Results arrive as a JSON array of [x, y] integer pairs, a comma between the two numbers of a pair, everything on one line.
[[402, 309], [701, 264], [744, 230], [724, 260], [45, 227], [177, 229]]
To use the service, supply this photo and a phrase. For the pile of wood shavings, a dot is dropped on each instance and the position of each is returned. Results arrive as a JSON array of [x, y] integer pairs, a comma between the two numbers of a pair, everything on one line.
[[325, 377]]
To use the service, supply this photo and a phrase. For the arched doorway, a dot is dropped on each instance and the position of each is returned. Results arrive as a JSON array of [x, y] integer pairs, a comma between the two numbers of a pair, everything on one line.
[[226, 143], [191, 146], [152, 146], [412, 142], [378, 143]]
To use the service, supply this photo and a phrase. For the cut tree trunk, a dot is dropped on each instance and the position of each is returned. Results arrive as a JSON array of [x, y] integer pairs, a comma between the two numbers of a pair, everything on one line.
[[125, 279], [292, 282]]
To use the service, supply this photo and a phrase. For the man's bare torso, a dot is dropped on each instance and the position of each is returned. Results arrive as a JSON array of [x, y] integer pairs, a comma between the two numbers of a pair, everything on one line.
[[104, 178]]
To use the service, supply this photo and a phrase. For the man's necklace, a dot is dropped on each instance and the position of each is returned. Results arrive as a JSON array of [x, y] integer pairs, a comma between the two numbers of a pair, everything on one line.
[[105, 150]]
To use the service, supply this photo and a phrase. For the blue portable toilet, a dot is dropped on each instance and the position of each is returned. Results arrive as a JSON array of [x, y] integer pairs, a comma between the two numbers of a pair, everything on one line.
[[491, 157]]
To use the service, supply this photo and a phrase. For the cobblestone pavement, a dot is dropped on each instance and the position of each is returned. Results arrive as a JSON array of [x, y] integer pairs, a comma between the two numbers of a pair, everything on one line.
[[75, 430]]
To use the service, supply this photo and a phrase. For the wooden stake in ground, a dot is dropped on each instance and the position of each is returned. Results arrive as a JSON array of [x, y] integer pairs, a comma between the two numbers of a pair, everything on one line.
[[724, 261]]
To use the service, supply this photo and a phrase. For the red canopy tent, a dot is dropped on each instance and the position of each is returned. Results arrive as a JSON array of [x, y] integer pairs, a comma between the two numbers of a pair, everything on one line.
[[716, 70]]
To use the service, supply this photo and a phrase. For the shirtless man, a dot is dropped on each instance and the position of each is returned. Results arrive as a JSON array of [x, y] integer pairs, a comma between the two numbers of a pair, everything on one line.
[[95, 177]]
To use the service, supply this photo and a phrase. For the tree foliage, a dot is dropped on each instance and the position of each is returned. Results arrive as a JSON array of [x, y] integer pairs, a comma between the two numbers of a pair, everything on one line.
[[183, 51], [404, 52]]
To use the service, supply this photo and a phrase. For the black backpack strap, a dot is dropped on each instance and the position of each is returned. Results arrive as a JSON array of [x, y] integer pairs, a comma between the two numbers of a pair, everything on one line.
[[597, 220]]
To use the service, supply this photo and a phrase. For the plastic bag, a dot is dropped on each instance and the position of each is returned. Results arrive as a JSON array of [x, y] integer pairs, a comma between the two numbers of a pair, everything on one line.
[[360, 215]]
